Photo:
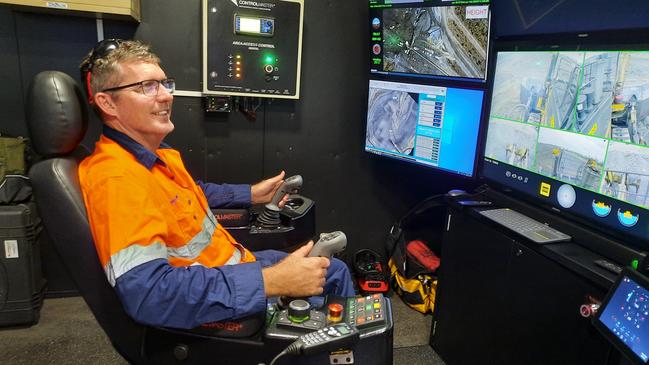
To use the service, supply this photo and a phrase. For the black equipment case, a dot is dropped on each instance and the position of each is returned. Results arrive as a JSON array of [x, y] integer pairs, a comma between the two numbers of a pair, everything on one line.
[[21, 281]]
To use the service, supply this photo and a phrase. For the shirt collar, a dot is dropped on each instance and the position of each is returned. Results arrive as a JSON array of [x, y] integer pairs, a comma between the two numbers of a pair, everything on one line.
[[141, 154]]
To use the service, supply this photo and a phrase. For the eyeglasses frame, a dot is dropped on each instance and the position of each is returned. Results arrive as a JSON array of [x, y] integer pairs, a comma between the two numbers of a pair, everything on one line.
[[141, 84]]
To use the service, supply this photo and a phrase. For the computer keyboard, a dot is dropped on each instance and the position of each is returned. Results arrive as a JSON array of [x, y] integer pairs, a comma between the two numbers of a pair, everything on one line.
[[525, 226]]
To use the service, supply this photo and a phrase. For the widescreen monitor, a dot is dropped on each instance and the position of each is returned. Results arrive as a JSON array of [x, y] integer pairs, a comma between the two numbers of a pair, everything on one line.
[[430, 38], [623, 317], [571, 130], [435, 126]]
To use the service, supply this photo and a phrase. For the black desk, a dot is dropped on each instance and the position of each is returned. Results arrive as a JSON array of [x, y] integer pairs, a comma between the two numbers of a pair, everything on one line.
[[503, 299]]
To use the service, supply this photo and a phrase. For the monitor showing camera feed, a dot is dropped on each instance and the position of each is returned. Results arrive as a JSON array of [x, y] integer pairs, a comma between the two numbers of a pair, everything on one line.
[[429, 125], [623, 317], [572, 129], [432, 38]]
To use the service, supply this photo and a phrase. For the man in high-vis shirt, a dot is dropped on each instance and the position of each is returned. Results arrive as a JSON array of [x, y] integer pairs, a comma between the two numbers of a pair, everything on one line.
[[171, 263]]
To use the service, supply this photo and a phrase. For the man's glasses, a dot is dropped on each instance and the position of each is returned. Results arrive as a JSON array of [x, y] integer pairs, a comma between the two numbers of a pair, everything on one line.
[[149, 87]]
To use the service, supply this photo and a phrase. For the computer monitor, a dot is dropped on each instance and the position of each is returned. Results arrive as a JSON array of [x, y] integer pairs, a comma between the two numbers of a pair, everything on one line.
[[431, 38], [623, 316], [434, 126], [570, 129]]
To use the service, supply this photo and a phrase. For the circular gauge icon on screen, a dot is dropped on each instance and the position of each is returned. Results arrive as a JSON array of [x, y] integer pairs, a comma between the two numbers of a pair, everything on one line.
[[376, 23], [376, 49], [601, 209], [566, 196], [627, 218]]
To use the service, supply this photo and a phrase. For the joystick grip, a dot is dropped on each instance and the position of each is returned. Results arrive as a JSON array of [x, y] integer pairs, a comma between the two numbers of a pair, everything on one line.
[[329, 244], [270, 218], [290, 185]]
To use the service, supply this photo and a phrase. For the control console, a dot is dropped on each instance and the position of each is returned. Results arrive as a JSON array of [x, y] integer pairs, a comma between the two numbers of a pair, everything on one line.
[[367, 312]]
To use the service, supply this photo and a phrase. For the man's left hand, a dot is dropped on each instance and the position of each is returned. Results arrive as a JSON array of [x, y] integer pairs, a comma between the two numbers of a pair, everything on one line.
[[263, 191]]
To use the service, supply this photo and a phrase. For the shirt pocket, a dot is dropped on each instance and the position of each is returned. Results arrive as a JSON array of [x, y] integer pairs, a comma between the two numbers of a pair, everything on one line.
[[188, 216]]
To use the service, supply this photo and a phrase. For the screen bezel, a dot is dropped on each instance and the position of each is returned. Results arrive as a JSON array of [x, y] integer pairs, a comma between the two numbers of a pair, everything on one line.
[[446, 84], [641, 280], [565, 42]]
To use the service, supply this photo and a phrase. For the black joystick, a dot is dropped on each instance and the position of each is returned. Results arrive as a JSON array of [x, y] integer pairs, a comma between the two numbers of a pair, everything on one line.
[[270, 217]]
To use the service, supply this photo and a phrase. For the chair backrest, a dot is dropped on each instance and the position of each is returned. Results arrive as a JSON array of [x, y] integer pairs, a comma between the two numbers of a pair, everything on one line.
[[57, 121]]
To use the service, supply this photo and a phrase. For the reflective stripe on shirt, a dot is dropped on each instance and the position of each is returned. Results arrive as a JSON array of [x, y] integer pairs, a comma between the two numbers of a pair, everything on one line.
[[135, 255], [197, 244], [132, 256]]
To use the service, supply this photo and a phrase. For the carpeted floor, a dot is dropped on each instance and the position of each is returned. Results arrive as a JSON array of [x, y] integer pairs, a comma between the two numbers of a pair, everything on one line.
[[67, 333]]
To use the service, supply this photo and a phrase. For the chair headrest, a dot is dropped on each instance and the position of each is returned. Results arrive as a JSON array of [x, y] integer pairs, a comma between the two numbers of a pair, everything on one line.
[[56, 112]]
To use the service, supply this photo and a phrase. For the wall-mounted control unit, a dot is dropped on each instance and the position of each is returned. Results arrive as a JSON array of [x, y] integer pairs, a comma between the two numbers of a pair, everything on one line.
[[252, 47]]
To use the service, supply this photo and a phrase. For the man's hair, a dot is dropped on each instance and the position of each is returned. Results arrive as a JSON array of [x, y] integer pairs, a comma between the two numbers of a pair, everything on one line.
[[105, 71]]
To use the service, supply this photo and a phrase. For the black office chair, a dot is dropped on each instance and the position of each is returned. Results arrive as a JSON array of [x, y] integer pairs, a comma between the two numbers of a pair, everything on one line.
[[57, 121]]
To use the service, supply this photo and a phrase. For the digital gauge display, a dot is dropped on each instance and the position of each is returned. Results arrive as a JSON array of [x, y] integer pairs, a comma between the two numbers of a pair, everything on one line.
[[252, 25]]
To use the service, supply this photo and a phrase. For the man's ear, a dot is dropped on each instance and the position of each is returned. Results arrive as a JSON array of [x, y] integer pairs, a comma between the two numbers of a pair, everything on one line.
[[105, 102]]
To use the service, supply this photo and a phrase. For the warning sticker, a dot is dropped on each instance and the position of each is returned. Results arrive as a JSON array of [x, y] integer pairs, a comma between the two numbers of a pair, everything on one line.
[[11, 249]]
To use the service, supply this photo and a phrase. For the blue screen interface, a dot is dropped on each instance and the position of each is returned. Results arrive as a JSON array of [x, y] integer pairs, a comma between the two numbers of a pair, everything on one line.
[[626, 316], [429, 125]]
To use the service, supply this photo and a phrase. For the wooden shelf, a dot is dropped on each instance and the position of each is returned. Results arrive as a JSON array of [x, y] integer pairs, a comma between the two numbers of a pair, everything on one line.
[[117, 9]]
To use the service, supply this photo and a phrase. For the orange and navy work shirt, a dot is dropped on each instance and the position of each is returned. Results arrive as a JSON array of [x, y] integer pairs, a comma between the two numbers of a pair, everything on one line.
[[170, 261]]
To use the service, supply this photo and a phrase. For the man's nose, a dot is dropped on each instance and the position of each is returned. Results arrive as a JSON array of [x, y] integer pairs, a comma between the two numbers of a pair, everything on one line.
[[164, 94]]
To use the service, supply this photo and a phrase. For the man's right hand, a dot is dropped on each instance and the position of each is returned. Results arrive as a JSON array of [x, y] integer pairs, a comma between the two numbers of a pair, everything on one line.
[[296, 275]]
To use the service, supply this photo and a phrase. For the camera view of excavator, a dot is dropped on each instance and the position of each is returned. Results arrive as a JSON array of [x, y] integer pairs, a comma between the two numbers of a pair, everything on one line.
[[579, 100], [571, 157], [630, 108], [626, 176], [511, 142]]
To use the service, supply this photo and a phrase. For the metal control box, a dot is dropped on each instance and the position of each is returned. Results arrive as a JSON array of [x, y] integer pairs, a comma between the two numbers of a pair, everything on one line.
[[252, 47]]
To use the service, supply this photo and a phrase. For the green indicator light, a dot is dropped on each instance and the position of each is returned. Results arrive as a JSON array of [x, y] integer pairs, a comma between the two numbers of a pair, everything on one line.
[[270, 60], [634, 263], [295, 319]]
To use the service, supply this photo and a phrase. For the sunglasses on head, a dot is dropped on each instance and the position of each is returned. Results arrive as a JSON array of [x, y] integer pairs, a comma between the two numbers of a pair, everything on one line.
[[101, 50]]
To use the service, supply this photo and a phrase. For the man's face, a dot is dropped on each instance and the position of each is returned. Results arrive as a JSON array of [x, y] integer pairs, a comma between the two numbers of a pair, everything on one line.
[[143, 117]]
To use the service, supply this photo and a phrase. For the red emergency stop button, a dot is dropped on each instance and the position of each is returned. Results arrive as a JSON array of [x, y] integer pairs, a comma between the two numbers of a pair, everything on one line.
[[335, 313]]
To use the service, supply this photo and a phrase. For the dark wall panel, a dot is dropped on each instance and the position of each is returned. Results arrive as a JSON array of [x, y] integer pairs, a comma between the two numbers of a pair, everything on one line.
[[50, 42], [11, 91], [175, 32], [234, 149], [526, 17]]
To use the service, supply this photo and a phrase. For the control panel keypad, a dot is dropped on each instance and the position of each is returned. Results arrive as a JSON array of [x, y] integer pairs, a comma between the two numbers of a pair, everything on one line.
[[366, 311]]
